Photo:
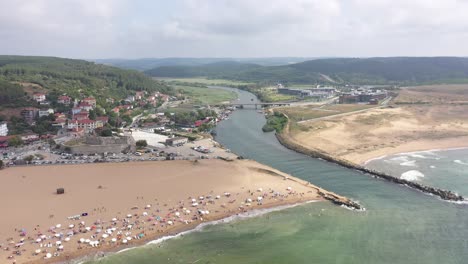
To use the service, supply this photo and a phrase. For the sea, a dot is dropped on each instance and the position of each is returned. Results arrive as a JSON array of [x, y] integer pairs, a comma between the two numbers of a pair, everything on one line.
[[399, 226]]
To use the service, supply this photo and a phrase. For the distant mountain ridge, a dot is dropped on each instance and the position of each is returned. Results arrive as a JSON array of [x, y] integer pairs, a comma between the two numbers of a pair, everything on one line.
[[379, 70], [150, 63]]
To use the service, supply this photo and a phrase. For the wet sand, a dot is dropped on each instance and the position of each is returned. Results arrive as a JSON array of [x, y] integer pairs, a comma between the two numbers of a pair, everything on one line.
[[140, 201]]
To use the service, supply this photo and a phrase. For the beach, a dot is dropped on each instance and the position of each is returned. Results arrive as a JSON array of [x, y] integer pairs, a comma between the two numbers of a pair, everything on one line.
[[111, 206], [419, 119]]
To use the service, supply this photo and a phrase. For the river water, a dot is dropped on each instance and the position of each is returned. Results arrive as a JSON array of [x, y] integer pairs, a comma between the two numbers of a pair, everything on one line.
[[400, 225]]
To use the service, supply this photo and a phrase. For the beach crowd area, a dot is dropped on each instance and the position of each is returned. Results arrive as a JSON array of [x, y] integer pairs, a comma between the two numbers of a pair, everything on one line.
[[419, 118], [106, 207]]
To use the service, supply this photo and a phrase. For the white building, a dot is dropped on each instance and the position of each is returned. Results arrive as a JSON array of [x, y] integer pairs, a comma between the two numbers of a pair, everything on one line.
[[46, 112], [3, 129], [39, 97]]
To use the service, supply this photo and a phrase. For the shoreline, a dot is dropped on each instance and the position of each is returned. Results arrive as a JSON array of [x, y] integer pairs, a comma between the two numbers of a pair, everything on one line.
[[414, 152], [242, 178], [188, 230], [287, 141]]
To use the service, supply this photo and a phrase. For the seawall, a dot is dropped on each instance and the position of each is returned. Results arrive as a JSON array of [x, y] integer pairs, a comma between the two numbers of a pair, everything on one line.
[[285, 139]]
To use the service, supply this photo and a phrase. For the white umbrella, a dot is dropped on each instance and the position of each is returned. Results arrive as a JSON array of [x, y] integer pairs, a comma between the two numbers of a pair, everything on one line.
[[201, 197], [57, 235], [87, 241], [187, 211], [60, 247], [114, 219], [218, 197], [129, 238], [43, 236], [177, 214], [105, 236], [114, 239], [194, 200], [207, 212], [38, 240], [67, 239], [129, 226], [71, 226], [169, 222], [289, 188], [129, 216], [195, 204], [88, 228], [145, 213], [38, 251], [148, 206], [48, 255], [259, 198], [124, 241], [58, 242], [82, 240], [260, 189], [58, 225]]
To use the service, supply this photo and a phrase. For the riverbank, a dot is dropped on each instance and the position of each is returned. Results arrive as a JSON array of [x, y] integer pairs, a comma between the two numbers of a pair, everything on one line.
[[113, 206], [286, 140]]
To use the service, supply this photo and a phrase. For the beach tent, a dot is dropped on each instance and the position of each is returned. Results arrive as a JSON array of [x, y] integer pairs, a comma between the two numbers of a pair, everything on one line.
[[60, 190]]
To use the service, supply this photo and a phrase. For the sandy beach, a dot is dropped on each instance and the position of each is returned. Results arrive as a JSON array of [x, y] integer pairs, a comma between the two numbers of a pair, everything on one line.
[[422, 118], [110, 206]]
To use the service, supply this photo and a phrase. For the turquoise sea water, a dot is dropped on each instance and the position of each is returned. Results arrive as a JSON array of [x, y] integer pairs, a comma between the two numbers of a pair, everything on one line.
[[400, 225], [446, 169]]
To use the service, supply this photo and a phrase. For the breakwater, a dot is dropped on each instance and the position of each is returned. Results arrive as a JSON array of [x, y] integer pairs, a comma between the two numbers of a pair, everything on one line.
[[284, 138]]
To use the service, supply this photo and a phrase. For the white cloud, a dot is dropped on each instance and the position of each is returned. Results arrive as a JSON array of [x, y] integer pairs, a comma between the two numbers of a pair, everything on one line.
[[146, 28]]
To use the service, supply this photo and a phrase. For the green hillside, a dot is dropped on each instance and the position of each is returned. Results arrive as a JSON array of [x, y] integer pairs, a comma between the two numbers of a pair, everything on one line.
[[75, 77], [213, 70], [392, 70]]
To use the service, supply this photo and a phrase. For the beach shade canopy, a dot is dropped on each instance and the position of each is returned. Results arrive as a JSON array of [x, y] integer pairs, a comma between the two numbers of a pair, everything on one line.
[[82, 240], [169, 222], [60, 190], [38, 251], [259, 198], [124, 241], [114, 219], [38, 240], [71, 226], [58, 226], [48, 255], [194, 200], [289, 188], [114, 239], [218, 197], [67, 239], [58, 242], [105, 235], [60, 247], [148, 206], [145, 214], [177, 214], [129, 216], [129, 238], [260, 189]]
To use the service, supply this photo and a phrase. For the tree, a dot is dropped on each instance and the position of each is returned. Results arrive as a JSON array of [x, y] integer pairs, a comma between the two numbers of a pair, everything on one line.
[[106, 132], [28, 158], [15, 141], [141, 143], [1, 164], [92, 114]]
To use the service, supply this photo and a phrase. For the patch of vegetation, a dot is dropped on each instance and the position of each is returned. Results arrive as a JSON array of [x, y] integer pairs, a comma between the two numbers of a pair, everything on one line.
[[141, 144], [204, 96], [275, 122], [75, 77]]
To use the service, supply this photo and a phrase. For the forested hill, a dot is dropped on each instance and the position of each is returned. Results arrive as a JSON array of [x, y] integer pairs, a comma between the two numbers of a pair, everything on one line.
[[397, 70], [75, 77], [213, 70]]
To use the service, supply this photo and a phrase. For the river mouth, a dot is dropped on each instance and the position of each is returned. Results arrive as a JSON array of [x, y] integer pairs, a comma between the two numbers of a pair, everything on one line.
[[400, 225]]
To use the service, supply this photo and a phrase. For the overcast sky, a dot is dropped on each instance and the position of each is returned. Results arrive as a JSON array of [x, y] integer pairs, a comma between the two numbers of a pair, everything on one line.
[[233, 28]]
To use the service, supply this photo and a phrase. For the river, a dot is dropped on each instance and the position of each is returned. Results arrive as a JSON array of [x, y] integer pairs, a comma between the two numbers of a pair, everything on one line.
[[400, 225]]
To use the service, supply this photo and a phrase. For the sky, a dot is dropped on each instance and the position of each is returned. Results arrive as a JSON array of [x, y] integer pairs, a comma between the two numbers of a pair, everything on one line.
[[92, 29]]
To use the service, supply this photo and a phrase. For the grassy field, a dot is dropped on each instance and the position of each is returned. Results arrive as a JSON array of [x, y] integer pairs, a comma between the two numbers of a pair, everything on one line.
[[433, 94], [302, 113], [201, 95], [202, 80]]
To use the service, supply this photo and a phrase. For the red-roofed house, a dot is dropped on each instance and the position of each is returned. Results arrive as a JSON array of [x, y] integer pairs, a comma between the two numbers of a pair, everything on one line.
[[86, 106], [64, 99], [90, 100], [81, 115], [39, 97]]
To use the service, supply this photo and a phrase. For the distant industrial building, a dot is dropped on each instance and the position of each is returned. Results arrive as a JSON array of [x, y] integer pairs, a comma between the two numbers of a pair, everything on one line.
[[176, 141], [318, 93], [363, 95]]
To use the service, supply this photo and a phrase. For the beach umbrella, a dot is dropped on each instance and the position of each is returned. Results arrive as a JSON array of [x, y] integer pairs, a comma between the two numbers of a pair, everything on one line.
[[187, 211], [87, 241], [195, 204], [114, 219], [201, 197], [38, 251], [67, 239], [169, 222], [43, 237], [289, 188], [88, 228], [259, 198], [148, 206], [114, 240], [57, 235], [105, 235], [38, 240], [129, 226], [58, 225], [82, 240], [129, 238], [58, 243], [218, 197], [60, 247], [145, 214], [194, 200], [177, 214], [124, 241], [71, 226], [248, 200], [260, 189], [129, 216], [207, 212], [48, 255]]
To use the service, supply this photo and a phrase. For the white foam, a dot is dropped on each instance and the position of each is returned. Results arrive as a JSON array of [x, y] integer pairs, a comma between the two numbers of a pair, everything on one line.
[[409, 163], [412, 175], [432, 167], [460, 162]]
